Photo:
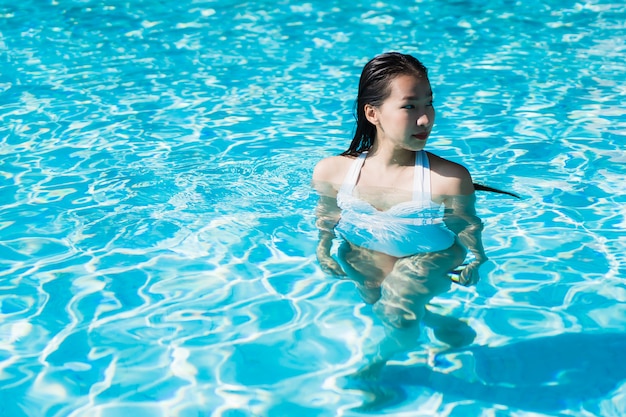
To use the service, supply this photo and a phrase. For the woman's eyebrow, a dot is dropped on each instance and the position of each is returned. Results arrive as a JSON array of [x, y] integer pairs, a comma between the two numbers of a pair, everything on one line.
[[416, 98]]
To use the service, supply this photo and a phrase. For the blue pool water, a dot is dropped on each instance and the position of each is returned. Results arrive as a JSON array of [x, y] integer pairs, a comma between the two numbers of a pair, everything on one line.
[[157, 231]]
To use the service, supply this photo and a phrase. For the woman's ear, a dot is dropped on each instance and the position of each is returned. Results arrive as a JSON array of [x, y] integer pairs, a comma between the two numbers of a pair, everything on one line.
[[371, 114]]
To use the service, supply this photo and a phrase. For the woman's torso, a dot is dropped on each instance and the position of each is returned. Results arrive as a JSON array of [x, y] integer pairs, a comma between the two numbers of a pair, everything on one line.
[[406, 228]]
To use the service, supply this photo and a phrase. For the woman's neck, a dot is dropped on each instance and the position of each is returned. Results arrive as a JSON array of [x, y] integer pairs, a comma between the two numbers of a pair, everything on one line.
[[391, 155]]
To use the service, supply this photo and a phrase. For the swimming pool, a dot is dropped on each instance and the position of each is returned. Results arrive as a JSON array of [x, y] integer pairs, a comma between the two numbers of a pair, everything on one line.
[[156, 219]]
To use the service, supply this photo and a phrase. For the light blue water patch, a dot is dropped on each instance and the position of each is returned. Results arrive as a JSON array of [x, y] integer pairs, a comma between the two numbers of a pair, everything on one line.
[[157, 237]]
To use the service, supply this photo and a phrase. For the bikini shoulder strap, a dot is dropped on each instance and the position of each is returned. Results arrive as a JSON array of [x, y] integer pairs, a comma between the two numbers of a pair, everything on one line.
[[353, 173], [421, 179]]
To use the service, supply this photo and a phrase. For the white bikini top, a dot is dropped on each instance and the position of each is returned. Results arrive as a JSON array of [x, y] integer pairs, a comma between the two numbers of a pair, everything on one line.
[[405, 229]]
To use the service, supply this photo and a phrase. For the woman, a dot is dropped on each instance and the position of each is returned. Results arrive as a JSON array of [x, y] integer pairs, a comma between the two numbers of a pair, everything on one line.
[[405, 216]]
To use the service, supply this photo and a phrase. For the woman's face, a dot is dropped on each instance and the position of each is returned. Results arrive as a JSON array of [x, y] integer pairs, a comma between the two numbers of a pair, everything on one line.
[[407, 116]]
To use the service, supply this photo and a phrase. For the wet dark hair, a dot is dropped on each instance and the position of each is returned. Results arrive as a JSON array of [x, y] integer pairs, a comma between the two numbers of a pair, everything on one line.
[[374, 88]]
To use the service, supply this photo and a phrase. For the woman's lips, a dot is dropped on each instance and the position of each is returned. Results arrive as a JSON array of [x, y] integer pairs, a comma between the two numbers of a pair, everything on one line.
[[421, 136]]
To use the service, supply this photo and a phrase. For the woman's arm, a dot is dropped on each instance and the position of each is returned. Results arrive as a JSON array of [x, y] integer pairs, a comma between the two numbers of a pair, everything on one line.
[[460, 217], [327, 213], [454, 183]]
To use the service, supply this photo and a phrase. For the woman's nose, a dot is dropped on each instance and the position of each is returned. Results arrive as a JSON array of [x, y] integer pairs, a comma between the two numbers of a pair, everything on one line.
[[423, 120]]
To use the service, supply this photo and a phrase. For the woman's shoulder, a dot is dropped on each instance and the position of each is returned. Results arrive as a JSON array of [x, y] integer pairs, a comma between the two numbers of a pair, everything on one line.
[[329, 174], [332, 169], [449, 177], [446, 167]]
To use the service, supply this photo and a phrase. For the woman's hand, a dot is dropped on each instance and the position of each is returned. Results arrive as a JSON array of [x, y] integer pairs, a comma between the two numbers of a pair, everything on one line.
[[468, 275], [328, 263]]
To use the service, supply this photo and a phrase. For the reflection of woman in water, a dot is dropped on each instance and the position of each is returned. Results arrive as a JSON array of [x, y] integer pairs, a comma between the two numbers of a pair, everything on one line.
[[406, 217]]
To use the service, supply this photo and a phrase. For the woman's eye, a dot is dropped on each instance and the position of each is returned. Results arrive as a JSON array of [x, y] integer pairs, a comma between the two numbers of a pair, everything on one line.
[[409, 106]]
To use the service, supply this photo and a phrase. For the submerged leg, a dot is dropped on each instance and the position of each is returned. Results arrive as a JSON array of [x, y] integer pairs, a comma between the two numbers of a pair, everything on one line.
[[366, 269], [449, 330], [405, 292]]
